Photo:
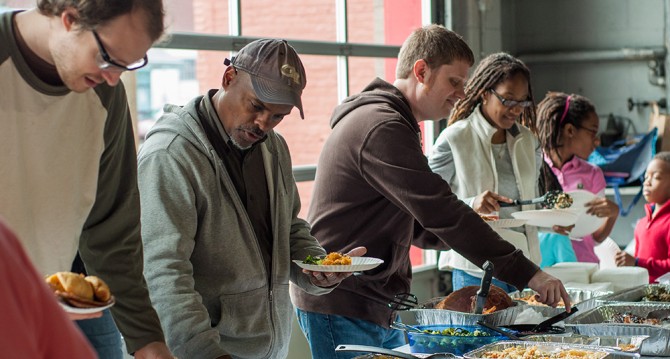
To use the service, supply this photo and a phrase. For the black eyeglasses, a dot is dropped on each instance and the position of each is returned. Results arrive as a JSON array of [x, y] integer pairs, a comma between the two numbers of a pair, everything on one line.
[[106, 63], [511, 103], [594, 133]]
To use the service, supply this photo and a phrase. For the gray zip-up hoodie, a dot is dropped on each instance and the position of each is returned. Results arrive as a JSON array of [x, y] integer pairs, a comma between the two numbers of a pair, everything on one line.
[[203, 264]]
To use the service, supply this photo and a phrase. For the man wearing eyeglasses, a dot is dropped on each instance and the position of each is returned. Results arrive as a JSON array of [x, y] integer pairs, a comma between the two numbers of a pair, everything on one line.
[[67, 155]]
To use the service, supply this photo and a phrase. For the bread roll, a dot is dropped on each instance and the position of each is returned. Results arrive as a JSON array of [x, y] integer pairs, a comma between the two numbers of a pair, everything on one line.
[[71, 283], [100, 288]]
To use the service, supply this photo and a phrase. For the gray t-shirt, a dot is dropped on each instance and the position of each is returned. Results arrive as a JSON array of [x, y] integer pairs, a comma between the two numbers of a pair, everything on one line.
[[507, 185]]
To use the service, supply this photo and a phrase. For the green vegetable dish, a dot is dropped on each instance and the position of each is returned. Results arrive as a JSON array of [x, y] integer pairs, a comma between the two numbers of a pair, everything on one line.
[[313, 260]]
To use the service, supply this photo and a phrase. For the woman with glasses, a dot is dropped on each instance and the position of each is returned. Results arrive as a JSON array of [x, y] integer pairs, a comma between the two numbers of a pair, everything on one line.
[[489, 156], [568, 129]]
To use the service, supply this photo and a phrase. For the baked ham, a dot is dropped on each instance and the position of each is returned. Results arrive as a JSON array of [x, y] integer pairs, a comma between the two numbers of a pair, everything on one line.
[[464, 299]]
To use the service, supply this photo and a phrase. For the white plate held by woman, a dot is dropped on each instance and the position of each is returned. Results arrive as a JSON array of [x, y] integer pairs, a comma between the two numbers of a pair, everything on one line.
[[586, 223], [548, 217]]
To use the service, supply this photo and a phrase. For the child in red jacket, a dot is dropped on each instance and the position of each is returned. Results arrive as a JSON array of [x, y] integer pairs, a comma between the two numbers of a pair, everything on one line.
[[652, 233]]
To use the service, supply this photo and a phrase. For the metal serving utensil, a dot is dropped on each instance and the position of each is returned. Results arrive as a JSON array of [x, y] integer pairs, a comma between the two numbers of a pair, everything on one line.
[[548, 200], [403, 301], [395, 353], [553, 320], [405, 327], [498, 330], [483, 291]]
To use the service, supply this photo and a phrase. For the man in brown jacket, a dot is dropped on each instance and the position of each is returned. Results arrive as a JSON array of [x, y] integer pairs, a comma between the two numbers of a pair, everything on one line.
[[374, 188]]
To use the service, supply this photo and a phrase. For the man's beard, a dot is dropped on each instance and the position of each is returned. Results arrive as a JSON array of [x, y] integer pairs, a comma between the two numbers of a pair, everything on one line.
[[240, 147]]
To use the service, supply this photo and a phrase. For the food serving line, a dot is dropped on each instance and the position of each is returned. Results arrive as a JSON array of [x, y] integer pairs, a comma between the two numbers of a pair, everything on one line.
[[630, 323]]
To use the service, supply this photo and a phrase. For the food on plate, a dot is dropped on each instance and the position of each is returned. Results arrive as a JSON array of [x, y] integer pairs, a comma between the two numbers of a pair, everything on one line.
[[80, 291], [534, 352], [558, 200], [333, 258], [489, 217], [464, 299], [532, 300]]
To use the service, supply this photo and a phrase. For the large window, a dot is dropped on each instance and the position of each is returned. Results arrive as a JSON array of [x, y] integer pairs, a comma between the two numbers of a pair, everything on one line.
[[204, 32]]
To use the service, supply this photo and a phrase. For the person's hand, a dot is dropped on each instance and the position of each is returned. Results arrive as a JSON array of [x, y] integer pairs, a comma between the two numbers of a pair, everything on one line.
[[329, 279], [154, 350], [549, 290], [74, 316], [602, 207], [564, 230], [623, 259], [487, 202]]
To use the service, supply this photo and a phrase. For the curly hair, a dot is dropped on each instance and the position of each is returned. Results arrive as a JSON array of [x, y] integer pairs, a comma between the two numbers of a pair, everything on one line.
[[553, 113], [491, 71], [94, 13], [434, 44], [550, 111]]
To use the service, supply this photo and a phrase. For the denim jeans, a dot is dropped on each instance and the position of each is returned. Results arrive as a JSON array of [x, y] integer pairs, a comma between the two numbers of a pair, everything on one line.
[[325, 332], [103, 336], [460, 279]]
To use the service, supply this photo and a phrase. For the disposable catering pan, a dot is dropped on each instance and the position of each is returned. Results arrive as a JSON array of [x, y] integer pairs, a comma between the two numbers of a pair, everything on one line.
[[640, 294], [627, 343], [583, 299], [580, 351], [426, 314], [595, 322]]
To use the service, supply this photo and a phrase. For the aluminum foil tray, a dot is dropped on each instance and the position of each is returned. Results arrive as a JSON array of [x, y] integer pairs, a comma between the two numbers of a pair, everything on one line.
[[548, 348], [593, 323], [426, 315], [585, 300], [637, 294], [631, 344]]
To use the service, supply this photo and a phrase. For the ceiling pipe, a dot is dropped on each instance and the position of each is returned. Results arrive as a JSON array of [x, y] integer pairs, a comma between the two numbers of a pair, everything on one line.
[[624, 54]]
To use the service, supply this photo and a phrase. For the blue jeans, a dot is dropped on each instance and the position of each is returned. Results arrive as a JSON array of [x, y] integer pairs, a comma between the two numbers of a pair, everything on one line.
[[325, 332], [103, 335], [460, 279]]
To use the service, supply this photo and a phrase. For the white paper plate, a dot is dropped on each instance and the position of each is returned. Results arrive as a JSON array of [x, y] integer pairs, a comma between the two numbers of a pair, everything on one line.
[[76, 310], [358, 264], [507, 223], [586, 223], [548, 217]]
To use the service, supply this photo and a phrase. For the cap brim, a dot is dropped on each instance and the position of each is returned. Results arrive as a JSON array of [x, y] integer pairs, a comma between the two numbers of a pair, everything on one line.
[[277, 93]]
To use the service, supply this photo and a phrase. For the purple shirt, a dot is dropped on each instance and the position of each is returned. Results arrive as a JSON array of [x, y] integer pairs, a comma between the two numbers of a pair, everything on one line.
[[579, 174]]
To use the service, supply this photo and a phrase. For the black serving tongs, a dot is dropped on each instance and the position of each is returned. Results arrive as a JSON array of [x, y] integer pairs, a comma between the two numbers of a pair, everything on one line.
[[543, 326], [549, 200], [483, 291]]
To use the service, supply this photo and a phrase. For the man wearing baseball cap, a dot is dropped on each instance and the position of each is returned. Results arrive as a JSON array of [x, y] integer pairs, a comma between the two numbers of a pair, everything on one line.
[[219, 212]]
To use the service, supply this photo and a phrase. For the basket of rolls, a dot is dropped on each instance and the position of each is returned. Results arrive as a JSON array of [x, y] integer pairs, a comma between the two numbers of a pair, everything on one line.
[[79, 291]]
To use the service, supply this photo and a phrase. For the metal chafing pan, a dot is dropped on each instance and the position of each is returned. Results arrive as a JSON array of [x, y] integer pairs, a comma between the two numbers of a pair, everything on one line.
[[594, 323], [426, 314], [546, 347], [613, 342], [584, 300], [637, 294]]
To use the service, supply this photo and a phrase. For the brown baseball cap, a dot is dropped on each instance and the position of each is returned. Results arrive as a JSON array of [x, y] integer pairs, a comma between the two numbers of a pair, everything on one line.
[[277, 74]]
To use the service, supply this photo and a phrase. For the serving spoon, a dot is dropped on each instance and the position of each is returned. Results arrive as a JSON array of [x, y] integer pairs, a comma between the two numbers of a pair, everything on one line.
[[395, 353]]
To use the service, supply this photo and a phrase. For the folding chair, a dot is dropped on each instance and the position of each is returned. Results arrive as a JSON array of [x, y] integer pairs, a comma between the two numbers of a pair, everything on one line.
[[623, 165]]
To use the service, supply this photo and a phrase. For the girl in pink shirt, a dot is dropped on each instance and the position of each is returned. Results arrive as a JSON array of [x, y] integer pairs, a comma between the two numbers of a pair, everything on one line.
[[567, 129]]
